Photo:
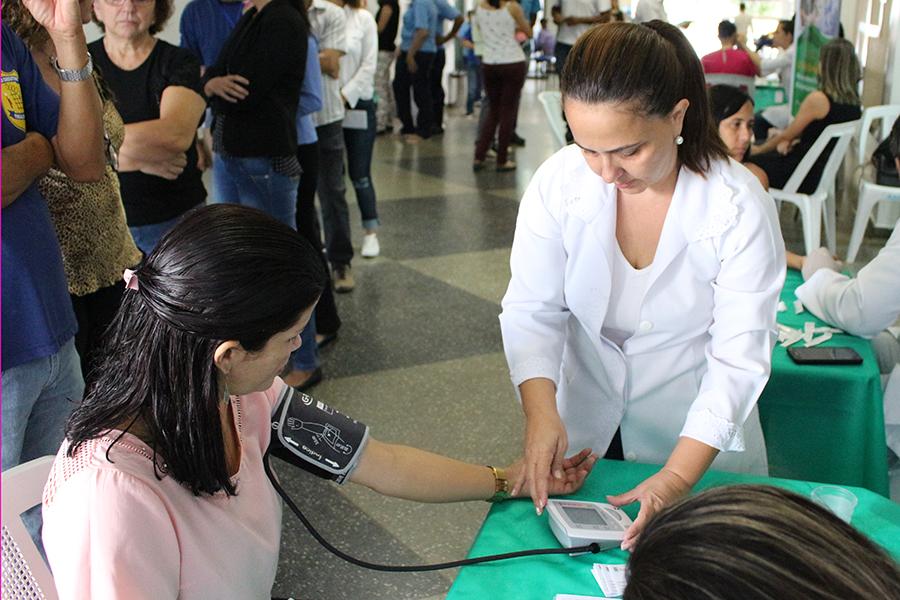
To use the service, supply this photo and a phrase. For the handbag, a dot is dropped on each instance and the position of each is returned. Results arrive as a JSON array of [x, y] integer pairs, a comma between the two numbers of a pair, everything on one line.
[[885, 167]]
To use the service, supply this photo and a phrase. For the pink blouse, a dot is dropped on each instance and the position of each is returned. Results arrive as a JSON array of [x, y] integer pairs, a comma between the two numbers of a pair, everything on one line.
[[113, 530]]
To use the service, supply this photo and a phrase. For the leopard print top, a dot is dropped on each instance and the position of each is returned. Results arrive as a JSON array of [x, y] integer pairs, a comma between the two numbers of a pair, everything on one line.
[[90, 221]]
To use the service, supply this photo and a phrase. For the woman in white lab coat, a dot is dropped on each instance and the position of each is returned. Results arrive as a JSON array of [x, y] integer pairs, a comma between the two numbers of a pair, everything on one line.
[[646, 270]]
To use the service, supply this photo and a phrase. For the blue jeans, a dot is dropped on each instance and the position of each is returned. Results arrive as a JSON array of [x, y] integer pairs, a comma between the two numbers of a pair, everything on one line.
[[147, 236], [473, 85], [359, 144], [38, 397], [253, 182]]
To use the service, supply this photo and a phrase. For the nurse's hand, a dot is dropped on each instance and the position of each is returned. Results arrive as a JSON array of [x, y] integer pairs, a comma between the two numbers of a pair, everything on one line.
[[546, 443], [575, 471], [654, 493]]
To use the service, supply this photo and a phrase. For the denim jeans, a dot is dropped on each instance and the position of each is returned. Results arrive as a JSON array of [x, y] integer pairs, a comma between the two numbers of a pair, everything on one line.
[[359, 143], [473, 86], [147, 236], [333, 194], [38, 397], [254, 182]]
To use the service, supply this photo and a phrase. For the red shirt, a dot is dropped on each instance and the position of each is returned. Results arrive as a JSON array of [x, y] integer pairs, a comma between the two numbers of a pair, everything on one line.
[[732, 61]]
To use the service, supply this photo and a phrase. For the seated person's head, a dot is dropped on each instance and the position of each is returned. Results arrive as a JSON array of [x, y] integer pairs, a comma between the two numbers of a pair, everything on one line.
[[732, 110], [218, 310], [839, 72], [895, 143], [752, 542], [727, 33]]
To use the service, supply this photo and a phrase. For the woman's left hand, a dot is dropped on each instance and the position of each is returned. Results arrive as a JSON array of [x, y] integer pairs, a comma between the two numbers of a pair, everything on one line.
[[575, 470], [654, 493], [58, 17]]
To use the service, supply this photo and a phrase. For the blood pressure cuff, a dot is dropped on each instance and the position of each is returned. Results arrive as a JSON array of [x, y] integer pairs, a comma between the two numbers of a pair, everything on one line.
[[315, 437]]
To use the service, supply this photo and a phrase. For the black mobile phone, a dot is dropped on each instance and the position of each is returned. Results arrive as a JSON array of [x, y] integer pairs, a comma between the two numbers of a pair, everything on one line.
[[829, 355]]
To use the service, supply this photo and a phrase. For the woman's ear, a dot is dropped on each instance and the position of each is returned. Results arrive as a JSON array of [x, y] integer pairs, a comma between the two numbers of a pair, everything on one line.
[[677, 114], [227, 355]]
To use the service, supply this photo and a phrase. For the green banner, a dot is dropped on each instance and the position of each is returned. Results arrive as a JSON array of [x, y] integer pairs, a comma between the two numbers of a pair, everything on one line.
[[817, 22]]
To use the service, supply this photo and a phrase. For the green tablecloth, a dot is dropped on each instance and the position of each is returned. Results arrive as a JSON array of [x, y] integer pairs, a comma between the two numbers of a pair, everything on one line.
[[767, 95], [824, 423], [512, 526]]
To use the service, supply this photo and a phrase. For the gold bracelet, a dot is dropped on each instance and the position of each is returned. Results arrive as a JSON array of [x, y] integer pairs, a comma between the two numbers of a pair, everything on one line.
[[501, 485]]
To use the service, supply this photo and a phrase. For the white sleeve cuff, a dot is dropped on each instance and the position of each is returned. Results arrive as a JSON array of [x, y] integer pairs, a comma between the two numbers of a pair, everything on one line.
[[532, 368], [720, 433]]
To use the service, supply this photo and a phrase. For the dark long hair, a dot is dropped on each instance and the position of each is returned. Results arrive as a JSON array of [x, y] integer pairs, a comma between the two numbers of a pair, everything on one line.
[[225, 272], [651, 67], [754, 542]]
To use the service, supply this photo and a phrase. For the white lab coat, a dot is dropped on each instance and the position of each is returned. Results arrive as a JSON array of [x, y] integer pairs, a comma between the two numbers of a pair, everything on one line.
[[865, 306], [701, 353]]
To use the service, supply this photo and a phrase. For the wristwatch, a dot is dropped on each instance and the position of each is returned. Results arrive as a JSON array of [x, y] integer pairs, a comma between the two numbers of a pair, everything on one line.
[[501, 485], [74, 74]]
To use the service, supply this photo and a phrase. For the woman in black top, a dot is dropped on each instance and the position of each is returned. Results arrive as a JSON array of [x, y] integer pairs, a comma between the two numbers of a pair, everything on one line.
[[836, 101], [388, 20], [254, 90], [156, 89]]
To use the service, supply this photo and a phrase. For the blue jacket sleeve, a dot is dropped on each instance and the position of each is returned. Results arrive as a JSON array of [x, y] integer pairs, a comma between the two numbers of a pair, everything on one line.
[[311, 90]]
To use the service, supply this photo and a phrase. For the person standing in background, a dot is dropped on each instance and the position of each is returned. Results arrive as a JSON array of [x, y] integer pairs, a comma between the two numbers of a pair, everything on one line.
[[204, 27], [650, 10], [743, 22], [156, 88], [417, 50], [329, 24], [358, 91], [574, 17], [388, 21], [41, 372], [729, 59], [88, 217], [472, 60], [446, 12]]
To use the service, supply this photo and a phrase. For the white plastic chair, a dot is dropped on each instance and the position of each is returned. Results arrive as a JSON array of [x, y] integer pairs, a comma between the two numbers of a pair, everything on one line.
[[25, 574], [811, 205], [743, 82], [870, 193], [552, 102]]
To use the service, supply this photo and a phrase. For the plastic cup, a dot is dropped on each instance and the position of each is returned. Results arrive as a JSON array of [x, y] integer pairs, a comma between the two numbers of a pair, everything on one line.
[[842, 502]]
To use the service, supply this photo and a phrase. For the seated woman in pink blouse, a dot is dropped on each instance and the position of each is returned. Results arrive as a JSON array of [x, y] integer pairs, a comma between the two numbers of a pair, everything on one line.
[[159, 490]]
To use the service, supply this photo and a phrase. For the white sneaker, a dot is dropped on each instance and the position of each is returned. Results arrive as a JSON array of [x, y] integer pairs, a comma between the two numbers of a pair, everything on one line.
[[370, 246]]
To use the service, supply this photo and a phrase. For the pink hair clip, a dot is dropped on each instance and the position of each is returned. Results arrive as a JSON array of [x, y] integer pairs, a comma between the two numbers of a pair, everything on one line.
[[131, 280]]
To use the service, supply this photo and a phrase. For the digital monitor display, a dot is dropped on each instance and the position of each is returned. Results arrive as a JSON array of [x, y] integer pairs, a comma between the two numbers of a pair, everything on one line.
[[585, 516]]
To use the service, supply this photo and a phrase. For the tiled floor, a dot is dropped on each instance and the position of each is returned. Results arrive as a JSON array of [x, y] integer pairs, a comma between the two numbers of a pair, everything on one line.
[[420, 358]]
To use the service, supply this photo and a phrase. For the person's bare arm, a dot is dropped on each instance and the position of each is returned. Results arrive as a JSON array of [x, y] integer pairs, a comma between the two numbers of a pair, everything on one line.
[[815, 106], [518, 15], [23, 163], [599, 18], [418, 39], [385, 17], [154, 140], [78, 144], [330, 62], [457, 23]]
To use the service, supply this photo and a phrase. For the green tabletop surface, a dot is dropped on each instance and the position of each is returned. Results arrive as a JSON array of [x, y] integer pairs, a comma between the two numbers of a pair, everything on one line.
[[768, 94], [824, 422], [513, 525]]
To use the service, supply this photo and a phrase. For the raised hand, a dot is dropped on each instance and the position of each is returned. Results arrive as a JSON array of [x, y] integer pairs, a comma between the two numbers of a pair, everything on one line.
[[61, 18]]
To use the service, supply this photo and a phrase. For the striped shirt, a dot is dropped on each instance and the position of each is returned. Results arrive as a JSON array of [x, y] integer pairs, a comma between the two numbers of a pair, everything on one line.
[[329, 24]]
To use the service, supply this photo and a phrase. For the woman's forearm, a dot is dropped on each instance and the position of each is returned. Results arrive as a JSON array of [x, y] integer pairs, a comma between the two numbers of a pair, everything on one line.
[[414, 474], [690, 459]]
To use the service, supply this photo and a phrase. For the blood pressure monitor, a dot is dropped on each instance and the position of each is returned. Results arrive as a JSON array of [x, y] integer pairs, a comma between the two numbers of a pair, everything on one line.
[[578, 523]]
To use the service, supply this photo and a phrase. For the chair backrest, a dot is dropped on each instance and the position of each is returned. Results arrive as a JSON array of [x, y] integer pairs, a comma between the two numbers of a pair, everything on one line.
[[743, 82], [25, 575], [887, 113], [552, 102], [843, 133]]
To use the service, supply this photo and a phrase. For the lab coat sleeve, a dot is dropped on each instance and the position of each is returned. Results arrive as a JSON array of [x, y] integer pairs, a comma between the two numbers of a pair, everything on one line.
[[533, 321], [865, 305], [739, 353]]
